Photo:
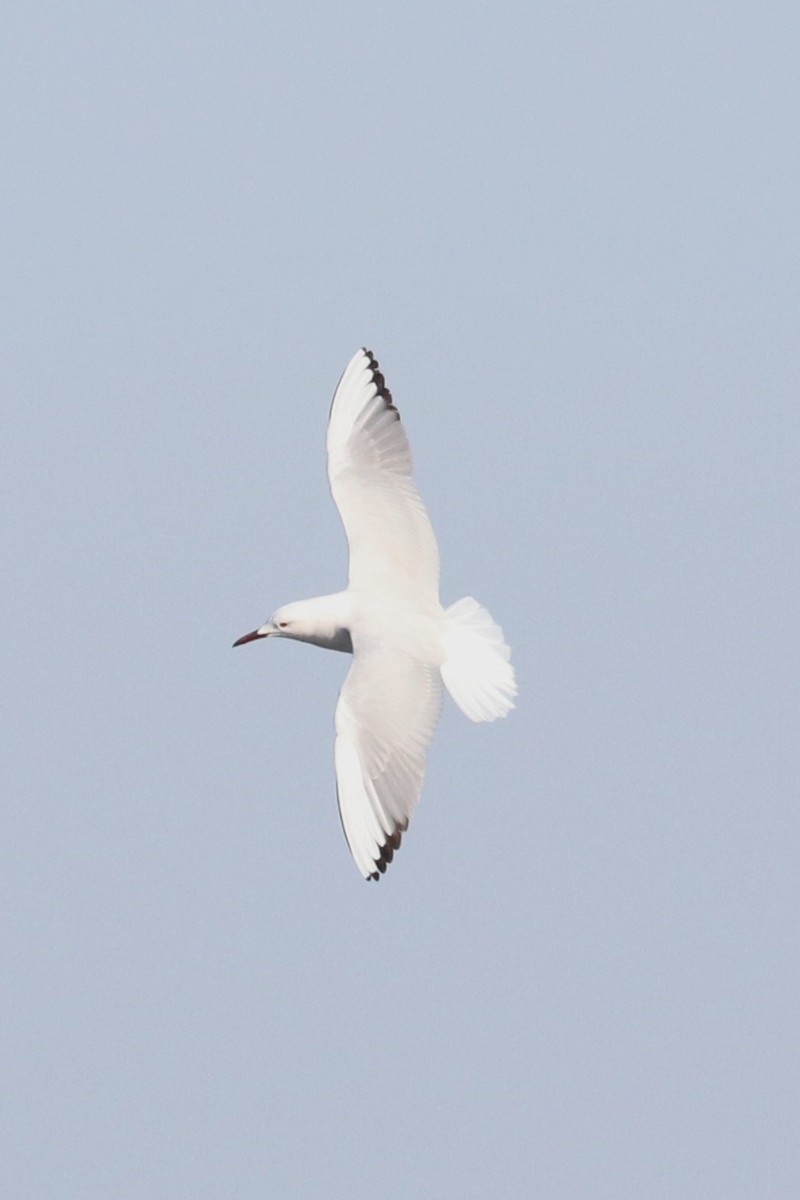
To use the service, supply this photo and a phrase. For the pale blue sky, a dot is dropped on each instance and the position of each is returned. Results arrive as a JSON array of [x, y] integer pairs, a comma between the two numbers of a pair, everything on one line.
[[569, 232]]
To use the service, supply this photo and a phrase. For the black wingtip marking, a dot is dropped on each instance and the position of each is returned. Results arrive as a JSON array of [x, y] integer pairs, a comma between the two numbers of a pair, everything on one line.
[[380, 382], [387, 852]]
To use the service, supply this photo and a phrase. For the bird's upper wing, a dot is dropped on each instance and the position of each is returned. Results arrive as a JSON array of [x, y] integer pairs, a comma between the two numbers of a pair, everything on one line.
[[392, 545], [385, 718]]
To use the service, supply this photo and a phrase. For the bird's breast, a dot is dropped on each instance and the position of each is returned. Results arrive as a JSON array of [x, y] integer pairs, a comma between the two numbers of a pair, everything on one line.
[[416, 630]]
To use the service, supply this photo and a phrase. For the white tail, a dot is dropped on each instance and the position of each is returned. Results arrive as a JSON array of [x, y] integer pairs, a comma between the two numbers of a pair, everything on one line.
[[476, 668]]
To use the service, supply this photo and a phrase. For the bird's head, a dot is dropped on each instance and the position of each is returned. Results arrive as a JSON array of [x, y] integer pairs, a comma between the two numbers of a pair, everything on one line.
[[321, 621]]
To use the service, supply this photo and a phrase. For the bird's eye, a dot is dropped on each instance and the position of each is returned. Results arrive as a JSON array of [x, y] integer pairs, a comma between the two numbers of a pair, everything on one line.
[[282, 624]]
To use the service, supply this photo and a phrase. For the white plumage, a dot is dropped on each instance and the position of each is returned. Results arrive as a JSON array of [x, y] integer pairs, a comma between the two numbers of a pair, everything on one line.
[[404, 644]]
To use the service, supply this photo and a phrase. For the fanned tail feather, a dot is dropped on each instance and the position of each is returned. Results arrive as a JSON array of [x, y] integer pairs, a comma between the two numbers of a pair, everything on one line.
[[477, 671]]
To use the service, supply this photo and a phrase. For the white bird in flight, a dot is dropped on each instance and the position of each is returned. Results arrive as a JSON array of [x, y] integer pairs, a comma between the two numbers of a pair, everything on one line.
[[389, 617]]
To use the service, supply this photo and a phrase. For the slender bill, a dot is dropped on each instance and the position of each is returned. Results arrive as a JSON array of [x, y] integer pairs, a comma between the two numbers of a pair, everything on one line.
[[251, 637]]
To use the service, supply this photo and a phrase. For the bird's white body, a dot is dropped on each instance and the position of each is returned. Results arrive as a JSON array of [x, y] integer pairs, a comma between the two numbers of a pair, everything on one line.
[[404, 643]]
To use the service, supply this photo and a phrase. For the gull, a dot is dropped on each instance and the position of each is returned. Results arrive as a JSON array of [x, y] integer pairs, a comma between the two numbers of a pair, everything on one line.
[[404, 644]]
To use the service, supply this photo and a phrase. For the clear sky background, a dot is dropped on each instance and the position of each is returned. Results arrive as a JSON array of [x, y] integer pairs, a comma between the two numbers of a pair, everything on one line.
[[569, 231]]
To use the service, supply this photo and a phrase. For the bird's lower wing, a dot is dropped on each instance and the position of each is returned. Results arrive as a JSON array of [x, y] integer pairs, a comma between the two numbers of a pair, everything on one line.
[[385, 717]]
